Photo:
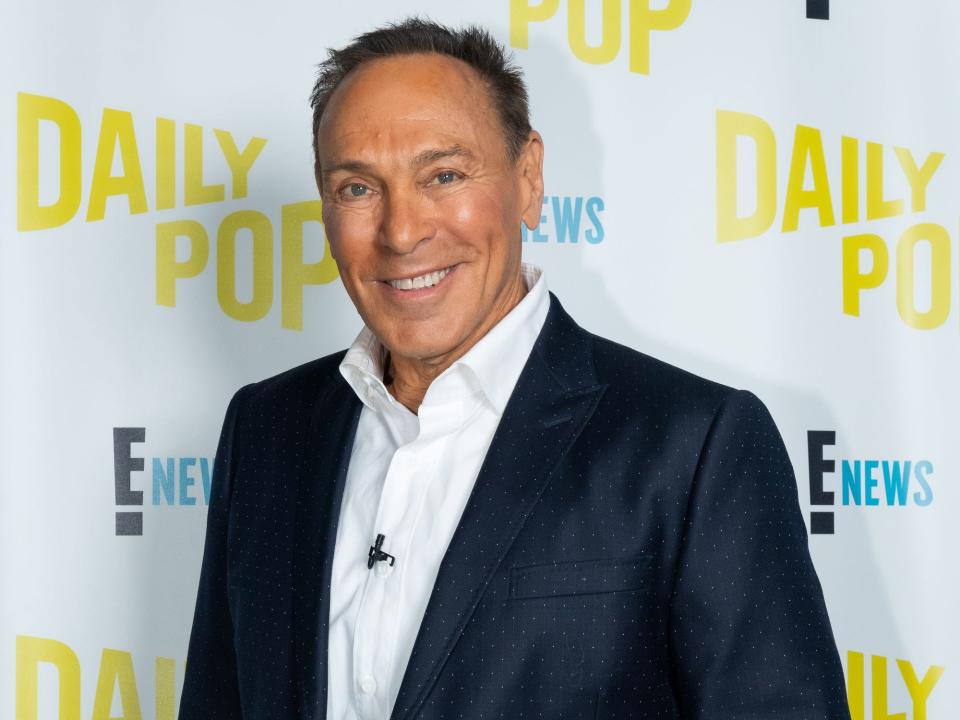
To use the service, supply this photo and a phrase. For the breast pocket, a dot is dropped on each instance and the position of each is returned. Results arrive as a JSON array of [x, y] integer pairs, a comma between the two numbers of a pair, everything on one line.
[[571, 622], [578, 577]]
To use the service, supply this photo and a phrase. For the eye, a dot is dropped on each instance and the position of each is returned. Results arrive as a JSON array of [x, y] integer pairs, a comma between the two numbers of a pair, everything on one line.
[[353, 191], [446, 177]]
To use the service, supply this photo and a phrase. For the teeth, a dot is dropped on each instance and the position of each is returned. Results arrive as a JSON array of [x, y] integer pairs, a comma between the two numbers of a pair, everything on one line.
[[422, 281]]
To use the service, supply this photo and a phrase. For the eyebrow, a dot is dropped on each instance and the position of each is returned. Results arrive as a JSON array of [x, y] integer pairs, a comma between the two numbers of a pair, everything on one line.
[[424, 157], [432, 155]]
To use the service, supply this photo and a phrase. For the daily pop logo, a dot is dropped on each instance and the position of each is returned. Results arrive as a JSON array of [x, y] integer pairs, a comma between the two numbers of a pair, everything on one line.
[[116, 678], [865, 482], [868, 686], [863, 167], [642, 21], [120, 143], [186, 248], [640, 18]]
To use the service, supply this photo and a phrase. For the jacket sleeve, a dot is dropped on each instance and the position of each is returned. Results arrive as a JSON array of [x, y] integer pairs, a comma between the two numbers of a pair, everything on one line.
[[210, 688], [750, 637]]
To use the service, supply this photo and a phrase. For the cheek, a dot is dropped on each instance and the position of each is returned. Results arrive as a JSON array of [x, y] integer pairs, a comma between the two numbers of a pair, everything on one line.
[[479, 218], [350, 240]]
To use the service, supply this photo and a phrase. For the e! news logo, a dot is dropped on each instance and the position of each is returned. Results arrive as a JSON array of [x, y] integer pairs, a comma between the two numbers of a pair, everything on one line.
[[567, 220], [174, 479], [865, 483]]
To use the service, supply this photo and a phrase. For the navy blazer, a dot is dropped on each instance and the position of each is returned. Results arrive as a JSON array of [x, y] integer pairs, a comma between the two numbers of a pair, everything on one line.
[[632, 548]]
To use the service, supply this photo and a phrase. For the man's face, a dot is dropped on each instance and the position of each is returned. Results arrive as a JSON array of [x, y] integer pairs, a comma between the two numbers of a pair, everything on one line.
[[422, 203]]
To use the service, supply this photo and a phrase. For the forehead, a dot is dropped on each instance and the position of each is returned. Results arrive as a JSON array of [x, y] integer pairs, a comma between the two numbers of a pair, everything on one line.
[[418, 98]]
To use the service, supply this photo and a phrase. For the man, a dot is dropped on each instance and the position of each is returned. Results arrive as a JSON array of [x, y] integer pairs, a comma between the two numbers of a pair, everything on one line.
[[481, 510]]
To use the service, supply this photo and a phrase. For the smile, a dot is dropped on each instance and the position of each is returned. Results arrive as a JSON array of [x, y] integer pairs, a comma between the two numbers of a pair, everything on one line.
[[421, 281]]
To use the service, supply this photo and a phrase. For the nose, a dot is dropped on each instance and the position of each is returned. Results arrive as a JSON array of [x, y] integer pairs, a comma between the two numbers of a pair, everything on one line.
[[405, 222]]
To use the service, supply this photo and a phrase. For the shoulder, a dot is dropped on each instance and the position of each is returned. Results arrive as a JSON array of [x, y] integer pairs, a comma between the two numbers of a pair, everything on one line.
[[699, 427], [650, 395], [303, 385], [643, 386], [636, 377]]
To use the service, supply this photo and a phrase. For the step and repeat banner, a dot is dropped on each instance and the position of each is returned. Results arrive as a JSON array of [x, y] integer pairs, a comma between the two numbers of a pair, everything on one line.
[[765, 193]]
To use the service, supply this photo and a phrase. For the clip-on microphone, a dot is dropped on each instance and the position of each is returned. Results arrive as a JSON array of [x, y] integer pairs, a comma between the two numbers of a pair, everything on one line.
[[376, 553]]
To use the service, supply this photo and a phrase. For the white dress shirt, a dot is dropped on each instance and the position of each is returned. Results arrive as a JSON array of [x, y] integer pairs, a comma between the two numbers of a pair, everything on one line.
[[409, 478]]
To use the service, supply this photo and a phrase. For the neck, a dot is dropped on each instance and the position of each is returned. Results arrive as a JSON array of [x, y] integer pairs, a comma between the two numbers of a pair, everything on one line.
[[407, 378]]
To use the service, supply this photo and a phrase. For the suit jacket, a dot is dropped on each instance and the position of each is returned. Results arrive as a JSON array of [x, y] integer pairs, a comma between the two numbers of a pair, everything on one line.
[[633, 548]]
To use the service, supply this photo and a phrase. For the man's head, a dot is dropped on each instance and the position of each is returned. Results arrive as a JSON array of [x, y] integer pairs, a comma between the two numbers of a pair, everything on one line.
[[426, 163]]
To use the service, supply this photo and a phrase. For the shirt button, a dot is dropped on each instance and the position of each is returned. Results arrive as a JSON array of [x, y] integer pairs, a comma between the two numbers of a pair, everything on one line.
[[383, 568], [368, 685]]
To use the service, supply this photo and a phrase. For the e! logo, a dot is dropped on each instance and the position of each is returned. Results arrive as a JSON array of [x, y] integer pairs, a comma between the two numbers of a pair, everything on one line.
[[128, 523], [821, 521]]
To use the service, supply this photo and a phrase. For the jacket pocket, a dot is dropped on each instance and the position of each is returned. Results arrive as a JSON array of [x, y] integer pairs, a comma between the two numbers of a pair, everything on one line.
[[578, 577]]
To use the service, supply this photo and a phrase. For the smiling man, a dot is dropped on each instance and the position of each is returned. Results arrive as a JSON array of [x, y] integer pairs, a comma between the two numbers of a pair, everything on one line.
[[423, 204], [481, 509]]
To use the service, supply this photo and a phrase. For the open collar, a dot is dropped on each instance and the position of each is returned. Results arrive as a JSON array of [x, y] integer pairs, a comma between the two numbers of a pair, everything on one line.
[[493, 364]]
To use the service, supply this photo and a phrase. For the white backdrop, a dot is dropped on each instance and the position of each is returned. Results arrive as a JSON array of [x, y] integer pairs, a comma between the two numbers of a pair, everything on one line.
[[764, 198]]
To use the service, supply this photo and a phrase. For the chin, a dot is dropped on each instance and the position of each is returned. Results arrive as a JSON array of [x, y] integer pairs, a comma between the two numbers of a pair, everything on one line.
[[421, 351], [422, 345]]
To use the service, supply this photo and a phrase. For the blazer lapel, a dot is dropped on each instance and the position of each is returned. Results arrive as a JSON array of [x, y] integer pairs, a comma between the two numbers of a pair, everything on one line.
[[554, 398], [323, 472]]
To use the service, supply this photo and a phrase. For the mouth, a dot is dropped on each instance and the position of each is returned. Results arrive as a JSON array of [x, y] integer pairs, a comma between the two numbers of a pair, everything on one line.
[[420, 282]]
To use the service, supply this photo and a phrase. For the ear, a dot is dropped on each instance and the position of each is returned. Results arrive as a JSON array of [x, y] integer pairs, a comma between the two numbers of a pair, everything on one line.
[[530, 174]]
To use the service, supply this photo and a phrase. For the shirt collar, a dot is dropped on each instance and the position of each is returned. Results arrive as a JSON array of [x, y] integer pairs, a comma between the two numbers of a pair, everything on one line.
[[495, 361]]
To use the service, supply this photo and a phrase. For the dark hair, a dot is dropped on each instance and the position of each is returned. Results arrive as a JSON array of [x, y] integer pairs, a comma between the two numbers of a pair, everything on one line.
[[473, 45]]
